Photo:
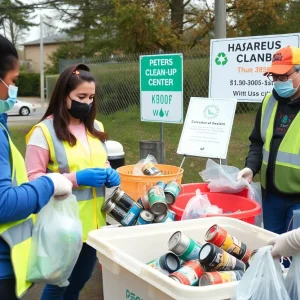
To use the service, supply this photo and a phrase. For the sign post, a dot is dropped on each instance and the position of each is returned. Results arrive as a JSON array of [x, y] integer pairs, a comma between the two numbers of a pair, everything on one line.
[[207, 128], [161, 89]]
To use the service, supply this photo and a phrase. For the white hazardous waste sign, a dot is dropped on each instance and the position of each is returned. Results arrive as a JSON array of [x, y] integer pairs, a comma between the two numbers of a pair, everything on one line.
[[237, 65]]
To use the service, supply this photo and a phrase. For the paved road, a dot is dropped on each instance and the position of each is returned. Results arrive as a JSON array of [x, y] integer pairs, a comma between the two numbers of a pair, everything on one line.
[[91, 291], [16, 120]]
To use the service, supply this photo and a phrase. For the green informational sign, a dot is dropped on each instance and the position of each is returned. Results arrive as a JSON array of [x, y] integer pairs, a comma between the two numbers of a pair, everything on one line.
[[161, 88]]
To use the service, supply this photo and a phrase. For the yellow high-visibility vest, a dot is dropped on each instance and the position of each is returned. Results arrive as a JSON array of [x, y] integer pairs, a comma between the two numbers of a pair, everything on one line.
[[18, 234], [287, 165], [67, 159]]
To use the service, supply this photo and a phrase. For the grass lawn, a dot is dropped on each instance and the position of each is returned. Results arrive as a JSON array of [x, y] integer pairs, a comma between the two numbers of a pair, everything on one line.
[[126, 127]]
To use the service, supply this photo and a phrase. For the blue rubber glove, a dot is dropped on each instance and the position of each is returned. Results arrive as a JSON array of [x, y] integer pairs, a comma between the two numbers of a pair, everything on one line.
[[95, 177], [113, 178]]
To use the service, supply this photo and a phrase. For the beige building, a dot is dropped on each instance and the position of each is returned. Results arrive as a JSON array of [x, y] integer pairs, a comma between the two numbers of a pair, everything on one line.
[[51, 44]]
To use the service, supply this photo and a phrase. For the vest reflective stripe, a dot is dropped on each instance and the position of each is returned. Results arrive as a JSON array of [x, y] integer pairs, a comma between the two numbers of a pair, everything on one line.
[[18, 234], [75, 158], [287, 164]]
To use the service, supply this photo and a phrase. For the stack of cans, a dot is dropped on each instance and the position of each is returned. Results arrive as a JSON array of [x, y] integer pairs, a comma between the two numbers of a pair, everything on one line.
[[223, 258], [153, 207]]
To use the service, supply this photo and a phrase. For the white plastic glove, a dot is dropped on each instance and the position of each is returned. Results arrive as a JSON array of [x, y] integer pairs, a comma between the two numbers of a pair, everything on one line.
[[62, 186], [287, 244], [246, 173]]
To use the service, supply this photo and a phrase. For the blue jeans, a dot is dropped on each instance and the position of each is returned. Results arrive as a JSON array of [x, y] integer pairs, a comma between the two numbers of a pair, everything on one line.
[[278, 212], [81, 274]]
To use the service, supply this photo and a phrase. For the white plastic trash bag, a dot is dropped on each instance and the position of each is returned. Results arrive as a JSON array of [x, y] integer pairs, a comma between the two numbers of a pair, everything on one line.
[[222, 178], [199, 206], [292, 280], [263, 280], [254, 193], [56, 242], [138, 168]]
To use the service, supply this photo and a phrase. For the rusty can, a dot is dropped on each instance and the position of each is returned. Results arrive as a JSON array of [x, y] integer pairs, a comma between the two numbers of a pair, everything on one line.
[[212, 278], [189, 273], [157, 200], [214, 258], [184, 247], [172, 191], [150, 169], [221, 238]]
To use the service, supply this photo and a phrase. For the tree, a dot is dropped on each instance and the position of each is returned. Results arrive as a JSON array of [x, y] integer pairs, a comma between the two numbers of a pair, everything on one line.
[[14, 21]]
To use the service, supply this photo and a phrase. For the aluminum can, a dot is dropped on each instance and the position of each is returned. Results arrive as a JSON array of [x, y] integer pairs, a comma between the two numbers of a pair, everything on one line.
[[221, 238], [166, 264], [161, 184], [144, 201], [214, 258], [212, 278], [172, 191], [169, 216], [189, 273], [146, 217], [184, 247], [157, 200], [132, 215], [122, 199], [114, 210]]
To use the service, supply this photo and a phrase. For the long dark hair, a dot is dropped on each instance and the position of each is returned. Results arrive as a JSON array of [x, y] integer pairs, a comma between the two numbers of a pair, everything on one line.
[[8, 56], [66, 83]]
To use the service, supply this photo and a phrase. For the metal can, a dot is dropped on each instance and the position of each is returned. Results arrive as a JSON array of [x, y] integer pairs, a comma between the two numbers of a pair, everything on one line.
[[168, 216], [184, 247], [189, 273], [221, 238], [157, 200], [214, 258], [146, 217], [172, 191], [122, 199], [144, 201], [132, 215], [114, 210], [161, 184], [150, 169], [252, 256], [166, 264], [212, 278]]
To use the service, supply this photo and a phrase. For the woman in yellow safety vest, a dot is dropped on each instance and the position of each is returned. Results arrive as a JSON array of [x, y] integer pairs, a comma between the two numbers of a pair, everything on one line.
[[18, 198], [70, 141]]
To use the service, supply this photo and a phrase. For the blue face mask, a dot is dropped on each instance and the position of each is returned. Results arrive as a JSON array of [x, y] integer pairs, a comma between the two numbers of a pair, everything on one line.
[[8, 104], [285, 89]]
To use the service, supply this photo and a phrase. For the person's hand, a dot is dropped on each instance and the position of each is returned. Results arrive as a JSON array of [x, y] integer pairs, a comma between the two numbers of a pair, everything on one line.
[[95, 177], [246, 173], [113, 178], [287, 244], [62, 186]]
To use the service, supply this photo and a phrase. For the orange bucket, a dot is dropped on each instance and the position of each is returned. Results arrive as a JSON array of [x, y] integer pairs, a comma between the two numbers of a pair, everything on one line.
[[136, 186]]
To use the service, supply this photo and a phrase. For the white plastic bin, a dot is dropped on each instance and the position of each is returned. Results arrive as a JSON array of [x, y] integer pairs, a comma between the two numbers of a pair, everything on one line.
[[124, 252]]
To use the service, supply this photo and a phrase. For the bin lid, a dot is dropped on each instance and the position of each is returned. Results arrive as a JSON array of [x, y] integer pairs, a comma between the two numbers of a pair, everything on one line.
[[114, 148]]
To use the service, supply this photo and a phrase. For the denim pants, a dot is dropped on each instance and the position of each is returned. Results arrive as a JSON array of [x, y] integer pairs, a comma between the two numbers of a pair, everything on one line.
[[81, 274]]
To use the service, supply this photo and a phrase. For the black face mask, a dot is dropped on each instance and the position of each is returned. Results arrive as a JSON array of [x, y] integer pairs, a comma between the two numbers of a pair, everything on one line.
[[79, 110]]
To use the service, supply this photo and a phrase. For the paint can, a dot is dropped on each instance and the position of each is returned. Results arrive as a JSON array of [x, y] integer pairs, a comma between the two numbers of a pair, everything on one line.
[[145, 217], [214, 258], [184, 247], [168, 216], [221, 238], [144, 201], [166, 264], [122, 199], [157, 200], [212, 278], [172, 191], [150, 169], [189, 273], [114, 210]]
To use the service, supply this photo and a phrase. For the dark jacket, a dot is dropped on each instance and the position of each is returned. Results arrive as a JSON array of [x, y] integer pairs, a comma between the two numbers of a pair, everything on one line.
[[285, 114]]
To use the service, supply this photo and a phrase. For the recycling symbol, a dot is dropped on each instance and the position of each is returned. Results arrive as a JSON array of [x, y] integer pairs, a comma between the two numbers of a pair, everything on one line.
[[221, 59]]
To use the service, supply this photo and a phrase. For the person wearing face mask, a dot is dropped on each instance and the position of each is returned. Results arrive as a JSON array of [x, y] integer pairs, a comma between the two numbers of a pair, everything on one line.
[[275, 142], [69, 140], [18, 198]]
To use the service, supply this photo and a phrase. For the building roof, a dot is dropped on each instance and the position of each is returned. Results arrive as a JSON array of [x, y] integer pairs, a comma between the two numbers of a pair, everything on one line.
[[56, 39]]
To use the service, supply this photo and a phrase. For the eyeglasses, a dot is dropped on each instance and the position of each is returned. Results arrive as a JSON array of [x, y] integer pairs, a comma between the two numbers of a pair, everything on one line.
[[283, 78]]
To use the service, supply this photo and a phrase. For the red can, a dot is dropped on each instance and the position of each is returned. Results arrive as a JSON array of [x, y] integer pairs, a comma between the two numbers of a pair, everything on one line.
[[221, 238], [189, 273], [212, 278]]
